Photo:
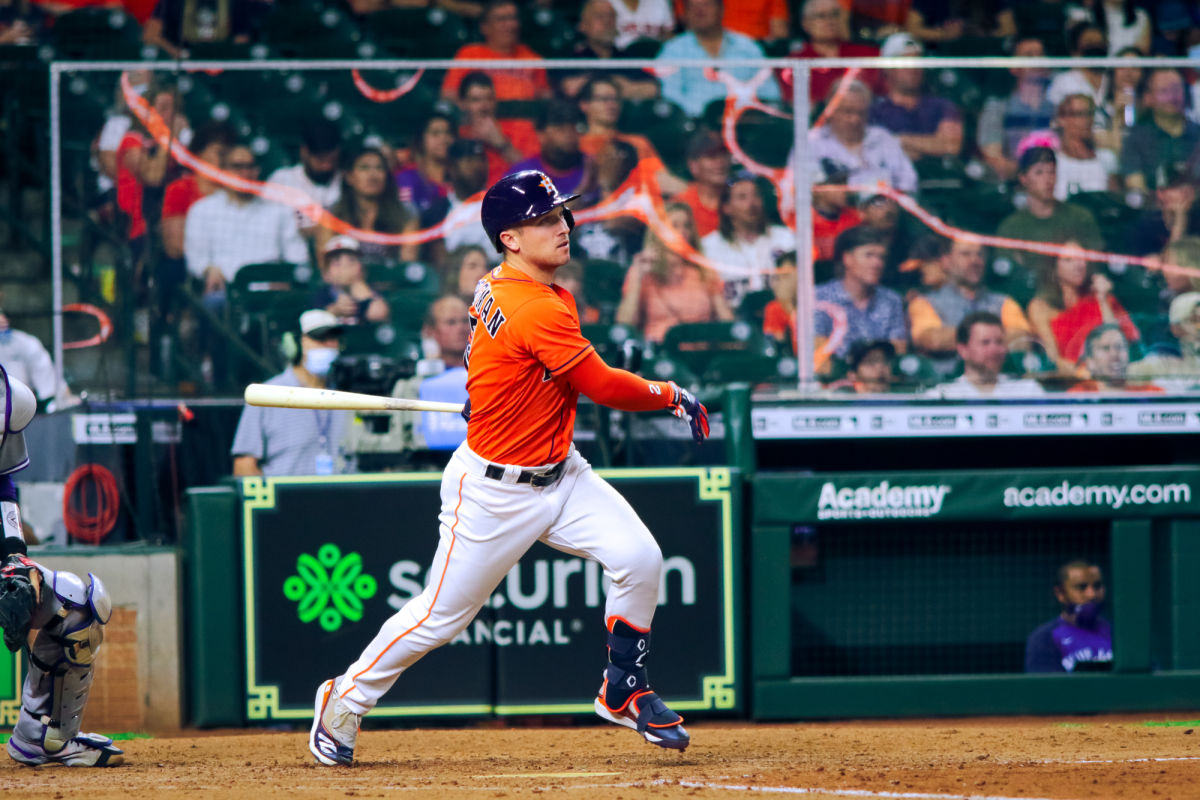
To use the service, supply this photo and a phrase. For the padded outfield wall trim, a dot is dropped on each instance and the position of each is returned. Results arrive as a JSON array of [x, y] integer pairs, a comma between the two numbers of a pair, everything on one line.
[[215, 683]]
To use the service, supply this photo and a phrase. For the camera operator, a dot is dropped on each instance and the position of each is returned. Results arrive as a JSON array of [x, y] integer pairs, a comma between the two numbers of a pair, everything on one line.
[[289, 441]]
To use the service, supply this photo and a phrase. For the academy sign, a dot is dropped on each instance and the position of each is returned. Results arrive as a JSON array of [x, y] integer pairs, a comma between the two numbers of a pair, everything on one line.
[[882, 500]]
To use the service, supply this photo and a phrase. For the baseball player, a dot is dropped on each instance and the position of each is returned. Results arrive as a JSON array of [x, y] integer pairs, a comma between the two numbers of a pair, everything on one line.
[[68, 613], [518, 479]]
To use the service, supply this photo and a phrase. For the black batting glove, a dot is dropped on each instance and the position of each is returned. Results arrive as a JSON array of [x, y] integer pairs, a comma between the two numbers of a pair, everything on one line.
[[685, 406]]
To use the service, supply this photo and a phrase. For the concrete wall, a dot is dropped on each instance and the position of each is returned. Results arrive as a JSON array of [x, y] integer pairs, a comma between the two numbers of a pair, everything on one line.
[[138, 673]]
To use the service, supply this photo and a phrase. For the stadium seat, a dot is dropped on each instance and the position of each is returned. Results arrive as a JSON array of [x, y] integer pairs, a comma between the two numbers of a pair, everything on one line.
[[602, 284], [545, 31], [1136, 287], [311, 29], [1114, 216], [643, 48], [409, 309], [695, 344], [418, 32], [257, 288], [753, 307], [668, 128], [612, 342], [411, 276], [913, 373], [89, 34], [766, 139], [753, 368], [1031, 363], [665, 368], [1008, 277]]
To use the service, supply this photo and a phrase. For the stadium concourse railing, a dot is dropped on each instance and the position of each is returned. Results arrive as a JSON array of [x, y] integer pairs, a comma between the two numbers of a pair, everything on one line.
[[792, 189]]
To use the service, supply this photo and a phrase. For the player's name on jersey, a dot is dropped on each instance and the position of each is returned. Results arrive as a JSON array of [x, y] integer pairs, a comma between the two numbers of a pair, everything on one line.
[[804, 421]]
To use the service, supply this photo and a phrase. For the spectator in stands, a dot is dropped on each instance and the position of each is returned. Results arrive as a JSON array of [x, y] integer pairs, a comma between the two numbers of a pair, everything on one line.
[[288, 441], [663, 288], [317, 174], [744, 247], [871, 311], [934, 316], [869, 367], [1078, 639], [1071, 300], [25, 358], [869, 153], [1175, 216], [779, 315], [618, 238], [445, 333], [1162, 140], [761, 20], [143, 165], [926, 125], [881, 215], [1176, 365], [1080, 166], [707, 39], [500, 26], [467, 264], [443, 374], [117, 123], [1085, 40], [17, 25], [559, 155], [570, 277], [643, 19], [600, 101], [826, 30], [176, 24], [832, 211], [1044, 218], [982, 345], [1126, 104], [1124, 23], [926, 257], [370, 201], [469, 9], [424, 184], [1183, 252], [1005, 121], [598, 29], [209, 144], [467, 170], [507, 140], [230, 229], [345, 292], [1106, 360], [934, 21], [709, 163]]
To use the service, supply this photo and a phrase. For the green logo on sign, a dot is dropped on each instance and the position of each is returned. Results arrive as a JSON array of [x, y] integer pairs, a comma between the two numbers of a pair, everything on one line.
[[329, 588]]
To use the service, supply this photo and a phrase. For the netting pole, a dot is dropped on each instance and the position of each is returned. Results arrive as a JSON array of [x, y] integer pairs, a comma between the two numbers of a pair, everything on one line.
[[801, 184], [56, 260]]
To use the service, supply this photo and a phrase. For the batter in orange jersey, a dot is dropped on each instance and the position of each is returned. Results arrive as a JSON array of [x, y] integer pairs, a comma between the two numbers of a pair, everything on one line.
[[518, 479]]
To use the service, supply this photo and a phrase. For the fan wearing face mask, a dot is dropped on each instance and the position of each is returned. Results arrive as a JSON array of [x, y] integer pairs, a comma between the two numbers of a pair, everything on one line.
[[1078, 639], [288, 441]]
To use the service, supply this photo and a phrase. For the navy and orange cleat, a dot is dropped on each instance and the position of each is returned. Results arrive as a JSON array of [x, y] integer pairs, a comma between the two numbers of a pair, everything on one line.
[[646, 713], [334, 729]]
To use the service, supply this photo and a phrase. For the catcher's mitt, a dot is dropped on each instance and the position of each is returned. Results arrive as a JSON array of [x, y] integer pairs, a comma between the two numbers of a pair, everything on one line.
[[17, 600]]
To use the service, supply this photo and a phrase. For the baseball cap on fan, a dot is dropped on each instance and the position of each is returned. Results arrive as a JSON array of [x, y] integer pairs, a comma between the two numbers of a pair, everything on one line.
[[1182, 308], [341, 243], [317, 323], [901, 44]]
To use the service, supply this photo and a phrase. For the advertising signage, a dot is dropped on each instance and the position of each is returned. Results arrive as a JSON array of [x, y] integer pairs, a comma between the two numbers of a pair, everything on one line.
[[327, 560]]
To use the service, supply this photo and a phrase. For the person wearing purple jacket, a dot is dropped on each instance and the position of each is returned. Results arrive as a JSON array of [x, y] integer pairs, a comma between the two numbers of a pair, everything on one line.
[[1078, 639]]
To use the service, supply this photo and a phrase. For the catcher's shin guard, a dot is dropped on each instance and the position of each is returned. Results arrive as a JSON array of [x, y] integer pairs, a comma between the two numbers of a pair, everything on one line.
[[71, 615], [625, 697]]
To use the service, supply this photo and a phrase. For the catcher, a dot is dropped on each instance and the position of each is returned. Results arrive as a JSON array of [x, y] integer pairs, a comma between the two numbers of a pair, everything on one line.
[[57, 615]]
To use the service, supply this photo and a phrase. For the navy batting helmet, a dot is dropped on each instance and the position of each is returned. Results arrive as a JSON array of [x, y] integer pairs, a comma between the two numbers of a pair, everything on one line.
[[518, 197]]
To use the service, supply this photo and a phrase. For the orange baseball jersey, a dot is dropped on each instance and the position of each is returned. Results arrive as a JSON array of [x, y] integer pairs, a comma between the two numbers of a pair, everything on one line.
[[524, 338]]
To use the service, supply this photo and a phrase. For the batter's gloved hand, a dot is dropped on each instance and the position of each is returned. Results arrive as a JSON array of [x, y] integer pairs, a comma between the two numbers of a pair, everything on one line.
[[685, 406], [17, 600]]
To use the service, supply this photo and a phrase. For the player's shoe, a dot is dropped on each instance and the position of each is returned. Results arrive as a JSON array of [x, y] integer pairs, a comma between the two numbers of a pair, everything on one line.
[[334, 729], [85, 750], [647, 714]]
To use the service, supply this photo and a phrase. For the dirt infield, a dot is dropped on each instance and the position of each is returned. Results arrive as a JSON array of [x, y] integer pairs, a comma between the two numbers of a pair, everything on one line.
[[1057, 759]]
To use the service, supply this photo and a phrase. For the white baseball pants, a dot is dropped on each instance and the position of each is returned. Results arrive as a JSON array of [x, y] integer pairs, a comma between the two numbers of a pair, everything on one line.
[[486, 525]]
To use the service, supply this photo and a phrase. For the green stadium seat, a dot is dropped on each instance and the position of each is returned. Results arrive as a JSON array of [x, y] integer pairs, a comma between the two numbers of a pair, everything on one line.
[[418, 32], [766, 139], [1136, 287], [546, 31], [753, 307], [753, 368], [409, 309], [609, 341], [411, 276], [259, 287], [602, 284], [695, 344], [1114, 216], [643, 48], [312, 29], [1008, 277], [668, 127], [913, 373], [1031, 363], [665, 368], [88, 34]]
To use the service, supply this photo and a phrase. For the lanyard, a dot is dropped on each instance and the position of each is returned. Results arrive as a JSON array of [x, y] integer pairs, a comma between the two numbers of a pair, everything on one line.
[[323, 426]]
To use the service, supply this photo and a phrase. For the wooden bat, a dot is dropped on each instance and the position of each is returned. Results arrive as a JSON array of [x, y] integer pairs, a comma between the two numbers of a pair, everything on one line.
[[263, 394]]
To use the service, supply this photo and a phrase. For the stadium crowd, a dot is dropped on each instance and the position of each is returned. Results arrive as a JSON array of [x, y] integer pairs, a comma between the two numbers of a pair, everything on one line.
[[1093, 159]]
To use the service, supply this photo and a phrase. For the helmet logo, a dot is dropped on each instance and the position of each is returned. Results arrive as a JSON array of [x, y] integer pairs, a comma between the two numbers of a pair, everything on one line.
[[548, 185]]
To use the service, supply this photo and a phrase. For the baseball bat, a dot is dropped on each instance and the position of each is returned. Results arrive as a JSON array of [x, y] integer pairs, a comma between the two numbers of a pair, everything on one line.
[[263, 394]]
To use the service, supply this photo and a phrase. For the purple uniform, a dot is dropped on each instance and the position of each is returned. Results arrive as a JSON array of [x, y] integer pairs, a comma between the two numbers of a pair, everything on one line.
[[1059, 646]]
